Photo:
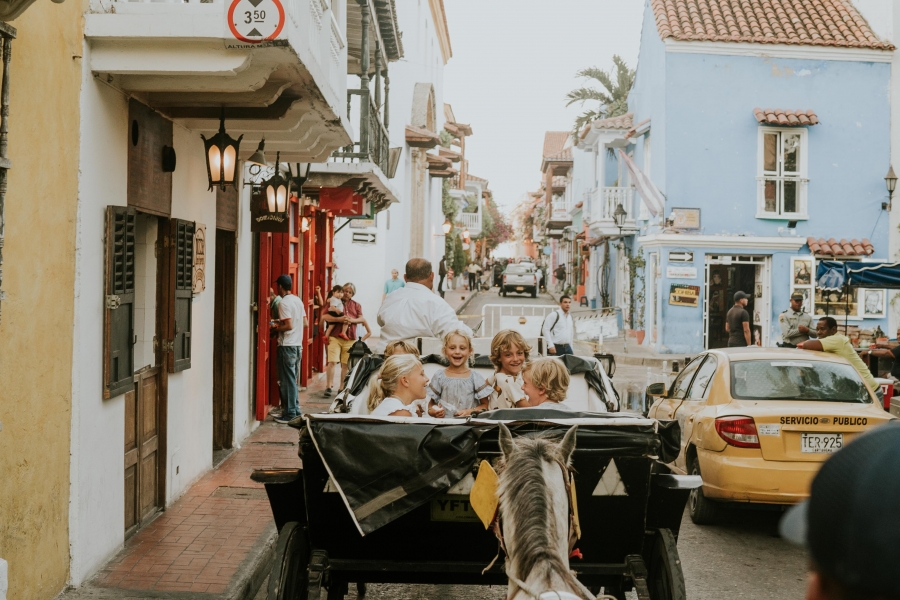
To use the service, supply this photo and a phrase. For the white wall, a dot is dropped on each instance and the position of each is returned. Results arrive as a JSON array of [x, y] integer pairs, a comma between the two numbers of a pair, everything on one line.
[[97, 474], [894, 216], [245, 321], [368, 266]]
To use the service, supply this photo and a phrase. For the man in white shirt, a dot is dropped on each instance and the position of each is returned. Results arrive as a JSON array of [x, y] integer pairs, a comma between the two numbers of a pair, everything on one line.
[[415, 310], [559, 330], [289, 325]]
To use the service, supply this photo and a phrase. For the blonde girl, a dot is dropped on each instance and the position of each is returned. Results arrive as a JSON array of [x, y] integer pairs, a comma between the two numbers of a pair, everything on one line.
[[459, 390], [400, 347], [402, 381], [509, 353], [546, 383]]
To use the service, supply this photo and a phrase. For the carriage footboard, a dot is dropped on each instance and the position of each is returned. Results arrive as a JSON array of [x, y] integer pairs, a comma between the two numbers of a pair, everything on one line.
[[284, 487]]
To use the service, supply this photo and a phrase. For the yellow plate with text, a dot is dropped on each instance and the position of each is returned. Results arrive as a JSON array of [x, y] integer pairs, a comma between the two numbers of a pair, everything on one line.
[[453, 508]]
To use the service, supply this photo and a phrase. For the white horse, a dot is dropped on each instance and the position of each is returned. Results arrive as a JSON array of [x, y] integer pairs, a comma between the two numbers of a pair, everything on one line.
[[536, 518]]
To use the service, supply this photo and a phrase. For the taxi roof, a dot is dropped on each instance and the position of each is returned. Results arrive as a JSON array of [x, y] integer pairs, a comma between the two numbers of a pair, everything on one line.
[[756, 353]]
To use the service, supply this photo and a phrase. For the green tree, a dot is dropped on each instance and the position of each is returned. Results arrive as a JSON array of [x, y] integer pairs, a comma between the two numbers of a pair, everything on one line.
[[613, 100]]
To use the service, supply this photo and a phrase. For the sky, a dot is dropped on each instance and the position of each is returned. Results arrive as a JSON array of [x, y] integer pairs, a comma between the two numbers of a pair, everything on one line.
[[513, 63]]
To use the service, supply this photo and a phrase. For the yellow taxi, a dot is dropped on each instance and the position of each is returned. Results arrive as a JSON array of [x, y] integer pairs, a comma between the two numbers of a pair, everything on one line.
[[757, 423]]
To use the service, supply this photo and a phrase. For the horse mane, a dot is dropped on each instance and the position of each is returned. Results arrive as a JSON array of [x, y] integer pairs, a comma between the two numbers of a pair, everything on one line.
[[525, 501]]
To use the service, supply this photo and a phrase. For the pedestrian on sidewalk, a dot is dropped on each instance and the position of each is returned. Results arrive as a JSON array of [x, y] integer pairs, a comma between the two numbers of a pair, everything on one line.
[[472, 270], [442, 273], [796, 325], [737, 322], [560, 274], [338, 347], [393, 284], [559, 329], [415, 310], [289, 325], [845, 525]]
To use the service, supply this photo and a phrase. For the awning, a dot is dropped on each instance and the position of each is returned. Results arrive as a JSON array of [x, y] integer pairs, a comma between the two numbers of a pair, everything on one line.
[[834, 275], [789, 118], [844, 247]]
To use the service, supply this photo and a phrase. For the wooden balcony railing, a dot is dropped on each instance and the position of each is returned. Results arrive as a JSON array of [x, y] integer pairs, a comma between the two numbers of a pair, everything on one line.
[[373, 143]]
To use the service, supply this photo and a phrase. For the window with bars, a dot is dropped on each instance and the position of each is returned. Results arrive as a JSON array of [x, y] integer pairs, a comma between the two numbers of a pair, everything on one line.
[[118, 322], [183, 253], [782, 174]]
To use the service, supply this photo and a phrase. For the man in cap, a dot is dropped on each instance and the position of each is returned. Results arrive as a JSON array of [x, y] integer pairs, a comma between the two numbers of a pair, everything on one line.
[[737, 322], [796, 325], [850, 524], [289, 325]]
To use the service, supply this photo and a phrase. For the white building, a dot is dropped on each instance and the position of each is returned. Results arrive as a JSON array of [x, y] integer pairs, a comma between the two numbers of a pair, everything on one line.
[[161, 366], [367, 250]]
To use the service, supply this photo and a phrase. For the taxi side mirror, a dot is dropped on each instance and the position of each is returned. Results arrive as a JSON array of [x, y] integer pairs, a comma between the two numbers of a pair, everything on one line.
[[656, 390]]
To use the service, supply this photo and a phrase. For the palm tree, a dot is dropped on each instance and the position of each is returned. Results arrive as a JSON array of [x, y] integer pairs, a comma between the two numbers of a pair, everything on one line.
[[613, 101]]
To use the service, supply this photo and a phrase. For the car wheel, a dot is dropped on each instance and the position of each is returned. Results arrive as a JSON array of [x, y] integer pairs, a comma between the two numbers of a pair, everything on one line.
[[703, 511]]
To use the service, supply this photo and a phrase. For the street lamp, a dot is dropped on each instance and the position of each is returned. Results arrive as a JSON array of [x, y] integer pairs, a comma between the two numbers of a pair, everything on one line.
[[569, 234], [304, 224], [447, 226], [299, 174], [465, 235], [619, 217], [221, 157], [258, 158], [276, 189], [891, 181]]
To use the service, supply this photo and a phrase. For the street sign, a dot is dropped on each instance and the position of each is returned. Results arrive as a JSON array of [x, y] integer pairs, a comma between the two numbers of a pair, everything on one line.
[[681, 272], [363, 237], [681, 257], [255, 21]]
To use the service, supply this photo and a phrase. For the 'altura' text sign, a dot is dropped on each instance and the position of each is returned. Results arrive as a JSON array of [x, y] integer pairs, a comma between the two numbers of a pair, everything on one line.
[[255, 21]]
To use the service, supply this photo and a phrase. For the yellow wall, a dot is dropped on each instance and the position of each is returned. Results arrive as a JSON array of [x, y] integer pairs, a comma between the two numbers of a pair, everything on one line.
[[39, 281]]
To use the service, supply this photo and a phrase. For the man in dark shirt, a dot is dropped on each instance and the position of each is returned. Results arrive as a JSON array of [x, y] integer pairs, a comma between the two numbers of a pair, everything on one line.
[[737, 322]]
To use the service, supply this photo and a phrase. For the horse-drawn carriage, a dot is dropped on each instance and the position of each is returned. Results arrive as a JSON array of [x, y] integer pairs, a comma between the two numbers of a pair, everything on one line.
[[402, 500]]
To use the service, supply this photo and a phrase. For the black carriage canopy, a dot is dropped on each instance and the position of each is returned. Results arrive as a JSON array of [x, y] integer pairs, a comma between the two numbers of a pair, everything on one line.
[[385, 469], [368, 365]]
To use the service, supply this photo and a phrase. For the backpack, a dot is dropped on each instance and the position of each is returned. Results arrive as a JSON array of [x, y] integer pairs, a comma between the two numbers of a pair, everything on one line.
[[555, 312]]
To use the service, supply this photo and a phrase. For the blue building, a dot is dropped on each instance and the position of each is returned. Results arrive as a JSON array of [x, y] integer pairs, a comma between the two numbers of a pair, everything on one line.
[[770, 141]]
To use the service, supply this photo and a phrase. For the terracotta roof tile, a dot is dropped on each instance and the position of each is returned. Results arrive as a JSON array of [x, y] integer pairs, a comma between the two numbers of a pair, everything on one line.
[[799, 22], [625, 121], [777, 116], [565, 154], [554, 142], [833, 247]]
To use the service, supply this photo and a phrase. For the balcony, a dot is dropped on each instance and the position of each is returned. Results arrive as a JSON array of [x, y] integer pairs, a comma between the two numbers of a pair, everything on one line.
[[183, 60], [470, 221], [560, 214], [603, 206]]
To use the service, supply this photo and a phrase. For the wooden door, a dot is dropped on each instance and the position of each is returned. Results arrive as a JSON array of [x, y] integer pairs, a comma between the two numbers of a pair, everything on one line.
[[223, 341], [265, 344], [142, 449]]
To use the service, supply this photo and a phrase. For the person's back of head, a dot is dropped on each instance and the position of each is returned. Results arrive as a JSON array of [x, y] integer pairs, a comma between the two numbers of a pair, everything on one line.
[[849, 524], [400, 347], [418, 270], [395, 367], [550, 375]]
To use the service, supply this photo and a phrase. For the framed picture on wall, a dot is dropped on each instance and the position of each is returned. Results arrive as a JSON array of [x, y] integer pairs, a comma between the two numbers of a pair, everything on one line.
[[802, 270], [873, 302], [802, 281]]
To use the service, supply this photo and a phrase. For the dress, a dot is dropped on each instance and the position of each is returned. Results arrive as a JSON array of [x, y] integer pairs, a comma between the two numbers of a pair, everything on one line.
[[458, 393], [507, 390], [388, 406]]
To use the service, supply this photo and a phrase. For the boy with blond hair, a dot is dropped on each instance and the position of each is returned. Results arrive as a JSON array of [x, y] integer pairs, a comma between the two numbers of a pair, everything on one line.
[[546, 383]]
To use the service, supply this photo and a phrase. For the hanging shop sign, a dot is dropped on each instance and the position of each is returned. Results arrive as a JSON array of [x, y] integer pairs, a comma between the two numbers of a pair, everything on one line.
[[261, 220], [343, 202], [676, 272], [684, 295], [199, 277], [255, 21], [686, 218]]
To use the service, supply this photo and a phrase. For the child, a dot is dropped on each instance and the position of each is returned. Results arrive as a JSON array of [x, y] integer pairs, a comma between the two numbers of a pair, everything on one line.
[[509, 352], [546, 381], [402, 382], [459, 390], [400, 347], [336, 309]]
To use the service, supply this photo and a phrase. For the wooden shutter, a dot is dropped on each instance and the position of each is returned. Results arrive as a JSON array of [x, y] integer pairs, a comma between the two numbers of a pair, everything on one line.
[[118, 321], [182, 237]]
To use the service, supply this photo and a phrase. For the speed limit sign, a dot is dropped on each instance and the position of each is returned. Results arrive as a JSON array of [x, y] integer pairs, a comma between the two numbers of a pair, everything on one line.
[[255, 21]]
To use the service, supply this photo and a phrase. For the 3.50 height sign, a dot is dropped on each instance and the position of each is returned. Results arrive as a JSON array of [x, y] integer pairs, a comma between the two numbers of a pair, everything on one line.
[[255, 21]]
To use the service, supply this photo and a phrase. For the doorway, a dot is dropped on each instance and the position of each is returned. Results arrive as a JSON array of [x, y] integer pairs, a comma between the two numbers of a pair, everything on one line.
[[223, 341], [726, 275]]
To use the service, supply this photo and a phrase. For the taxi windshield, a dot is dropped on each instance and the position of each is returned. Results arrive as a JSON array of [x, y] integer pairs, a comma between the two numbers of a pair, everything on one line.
[[797, 380]]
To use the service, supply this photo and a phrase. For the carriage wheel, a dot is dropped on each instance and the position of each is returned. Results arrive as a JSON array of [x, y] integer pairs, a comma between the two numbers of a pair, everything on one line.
[[665, 578], [288, 579], [337, 590]]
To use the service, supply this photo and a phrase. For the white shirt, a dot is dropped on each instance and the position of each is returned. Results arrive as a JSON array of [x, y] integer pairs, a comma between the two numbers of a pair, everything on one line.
[[563, 328], [291, 307], [388, 406], [336, 304], [415, 311]]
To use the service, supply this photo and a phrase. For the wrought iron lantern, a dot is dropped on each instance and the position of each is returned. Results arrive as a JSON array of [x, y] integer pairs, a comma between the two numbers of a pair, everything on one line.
[[447, 226], [299, 174], [276, 189], [466, 236], [304, 224], [891, 180], [619, 217], [221, 157]]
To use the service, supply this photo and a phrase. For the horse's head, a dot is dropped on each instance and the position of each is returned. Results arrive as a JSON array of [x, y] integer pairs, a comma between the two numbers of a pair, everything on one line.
[[535, 507]]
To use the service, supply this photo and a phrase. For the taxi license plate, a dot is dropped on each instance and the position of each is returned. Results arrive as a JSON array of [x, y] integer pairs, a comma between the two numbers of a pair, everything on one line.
[[453, 508], [821, 443], [519, 288]]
